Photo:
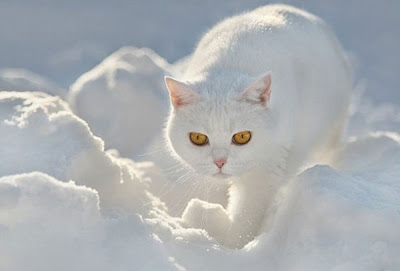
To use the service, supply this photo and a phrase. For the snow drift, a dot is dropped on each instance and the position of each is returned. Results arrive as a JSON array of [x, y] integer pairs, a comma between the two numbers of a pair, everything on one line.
[[46, 224], [40, 133], [123, 99]]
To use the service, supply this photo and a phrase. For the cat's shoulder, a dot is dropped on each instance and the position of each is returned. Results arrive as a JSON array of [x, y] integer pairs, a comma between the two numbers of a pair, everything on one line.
[[271, 16], [272, 19], [280, 14]]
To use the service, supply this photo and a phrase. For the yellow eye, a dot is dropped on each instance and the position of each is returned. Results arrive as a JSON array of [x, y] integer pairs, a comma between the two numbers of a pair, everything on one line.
[[198, 139], [241, 137]]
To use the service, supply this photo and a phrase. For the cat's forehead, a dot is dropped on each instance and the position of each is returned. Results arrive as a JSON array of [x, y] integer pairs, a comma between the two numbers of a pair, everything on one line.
[[218, 87], [220, 114]]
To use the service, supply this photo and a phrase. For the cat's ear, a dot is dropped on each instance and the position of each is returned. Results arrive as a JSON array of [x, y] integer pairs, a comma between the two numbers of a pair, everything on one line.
[[180, 94], [259, 91]]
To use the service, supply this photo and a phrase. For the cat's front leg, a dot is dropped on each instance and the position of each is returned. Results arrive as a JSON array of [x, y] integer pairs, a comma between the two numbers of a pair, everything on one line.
[[211, 217], [249, 203]]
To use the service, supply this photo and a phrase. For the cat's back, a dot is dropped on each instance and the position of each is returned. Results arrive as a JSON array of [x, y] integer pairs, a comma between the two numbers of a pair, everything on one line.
[[311, 79], [263, 38]]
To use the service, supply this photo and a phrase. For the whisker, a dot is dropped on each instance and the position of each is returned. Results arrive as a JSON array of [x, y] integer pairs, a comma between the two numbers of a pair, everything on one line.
[[173, 171], [172, 167], [208, 199], [185, 197], [180, 180], [158, 150], [203, 212]]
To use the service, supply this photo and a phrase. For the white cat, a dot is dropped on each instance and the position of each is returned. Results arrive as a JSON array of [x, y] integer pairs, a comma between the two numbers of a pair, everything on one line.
[[265, 92]]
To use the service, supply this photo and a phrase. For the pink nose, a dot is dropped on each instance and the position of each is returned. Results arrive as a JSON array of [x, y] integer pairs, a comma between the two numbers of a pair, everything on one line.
[[220, 162]]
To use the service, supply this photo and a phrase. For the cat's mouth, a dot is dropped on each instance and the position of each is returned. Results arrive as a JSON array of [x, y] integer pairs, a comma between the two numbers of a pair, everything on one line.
[[221, 175]]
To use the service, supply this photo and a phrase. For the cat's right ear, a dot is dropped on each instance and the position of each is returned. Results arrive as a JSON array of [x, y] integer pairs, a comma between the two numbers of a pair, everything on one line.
[[179, 93]]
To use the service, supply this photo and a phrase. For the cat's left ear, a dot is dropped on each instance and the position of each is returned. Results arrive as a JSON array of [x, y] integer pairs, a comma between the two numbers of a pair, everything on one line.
[[180, 94], [259, 91]]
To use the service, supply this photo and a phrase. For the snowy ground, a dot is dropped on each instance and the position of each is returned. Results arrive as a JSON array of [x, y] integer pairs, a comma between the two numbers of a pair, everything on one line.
[[85, 181]]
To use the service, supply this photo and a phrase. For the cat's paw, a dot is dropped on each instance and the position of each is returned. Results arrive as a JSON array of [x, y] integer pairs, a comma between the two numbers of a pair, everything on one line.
[[211, 217]]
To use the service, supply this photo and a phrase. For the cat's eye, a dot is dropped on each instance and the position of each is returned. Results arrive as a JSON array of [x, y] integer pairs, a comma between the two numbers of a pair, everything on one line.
[[241, 137], [198, 139]]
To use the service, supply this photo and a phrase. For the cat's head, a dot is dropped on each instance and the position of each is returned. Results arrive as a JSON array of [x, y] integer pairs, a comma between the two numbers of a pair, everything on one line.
[[220, 133]]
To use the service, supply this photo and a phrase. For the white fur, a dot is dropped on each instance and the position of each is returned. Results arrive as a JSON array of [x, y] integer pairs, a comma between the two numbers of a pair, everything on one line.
[[301, 120]]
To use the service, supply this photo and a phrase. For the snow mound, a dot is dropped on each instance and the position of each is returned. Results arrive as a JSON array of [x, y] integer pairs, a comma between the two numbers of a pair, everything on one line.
[[368, 116], [46, 224], [24, 80], [332, 219], [40, 133], [123, 99]]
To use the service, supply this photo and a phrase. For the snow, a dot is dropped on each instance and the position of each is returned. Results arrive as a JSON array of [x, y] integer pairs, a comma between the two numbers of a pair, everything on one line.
[[74, 196], [131, 80], [40, 133], [47, 224]]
